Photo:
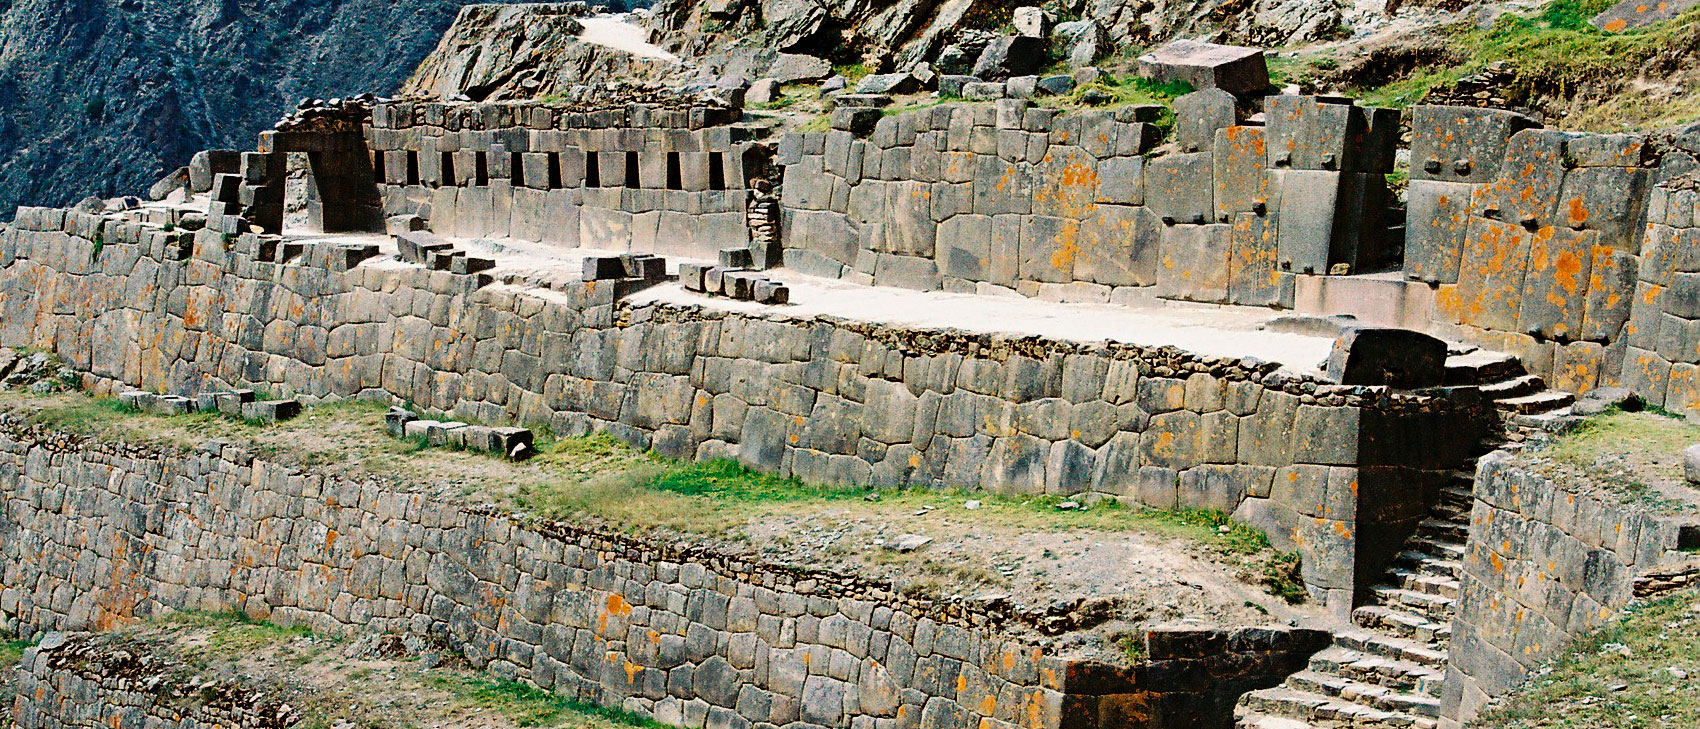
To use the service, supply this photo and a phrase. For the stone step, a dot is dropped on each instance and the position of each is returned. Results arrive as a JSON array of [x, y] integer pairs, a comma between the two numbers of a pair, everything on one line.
[[1452, 531], [1379, 670], [1357, 692], [1514, 387], [1254, 720], [1443, 548], [1445, 511], [1402, 623], [1461, 497], [1427, 563], [1482, 366], [1326, 711], [1437, 582], [1561, 420], [1388, 646], [1541, 402], [1434, 607]]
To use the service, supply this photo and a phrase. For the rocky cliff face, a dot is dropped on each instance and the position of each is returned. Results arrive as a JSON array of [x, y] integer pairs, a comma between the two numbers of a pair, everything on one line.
[[101, 97]]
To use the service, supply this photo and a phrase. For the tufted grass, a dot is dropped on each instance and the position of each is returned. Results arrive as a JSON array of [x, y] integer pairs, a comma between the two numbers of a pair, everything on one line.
[[528, 706], [1557, 60], [235, 634], [1618, 676], [1637, 455]]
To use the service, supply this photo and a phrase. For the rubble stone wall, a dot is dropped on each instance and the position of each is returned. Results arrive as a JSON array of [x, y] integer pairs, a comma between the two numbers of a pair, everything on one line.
[[98, 535], [99, 682], [1328, 470], [1017, 197], [1547, 560], [622, 177]]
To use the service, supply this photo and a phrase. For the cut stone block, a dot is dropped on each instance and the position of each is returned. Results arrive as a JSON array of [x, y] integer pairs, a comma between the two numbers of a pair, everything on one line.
[[271, 411], [1460, 143], [1399, 358], [396, 420], [471, 264], [1435, 224], [414, 245], [603, 268], [1199, 114], [1238, 70]]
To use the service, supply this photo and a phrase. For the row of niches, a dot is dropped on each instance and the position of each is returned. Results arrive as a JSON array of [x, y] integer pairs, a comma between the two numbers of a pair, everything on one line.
[[568, 169]]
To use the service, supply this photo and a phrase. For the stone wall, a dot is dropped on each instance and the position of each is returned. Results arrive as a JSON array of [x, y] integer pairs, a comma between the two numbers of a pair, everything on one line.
[[99, 682], [1326, 469], [1017, 197], [658, 178], [98, 535], [1548, 558], [1531, 237], [1663, 358]]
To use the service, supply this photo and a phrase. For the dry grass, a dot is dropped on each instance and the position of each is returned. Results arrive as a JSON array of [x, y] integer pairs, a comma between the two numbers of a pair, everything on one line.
[[1619, 677], [1638, 455]]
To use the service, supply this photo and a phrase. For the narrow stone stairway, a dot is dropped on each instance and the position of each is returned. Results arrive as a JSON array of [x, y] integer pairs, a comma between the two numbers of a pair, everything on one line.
[[1387, 670]]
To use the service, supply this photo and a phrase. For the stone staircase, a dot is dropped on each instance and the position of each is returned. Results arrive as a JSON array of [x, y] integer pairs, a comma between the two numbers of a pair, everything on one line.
[[1388, 669], [1523, 398]]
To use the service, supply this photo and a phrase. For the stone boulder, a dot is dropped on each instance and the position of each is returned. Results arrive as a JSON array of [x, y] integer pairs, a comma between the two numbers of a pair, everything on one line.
[[791, 68], [1632, 14], [1032, 21], [175, 180], [1377, 356], [889, 83], [1085, 40], [763, 91], [1238, 70], [1010, 55]]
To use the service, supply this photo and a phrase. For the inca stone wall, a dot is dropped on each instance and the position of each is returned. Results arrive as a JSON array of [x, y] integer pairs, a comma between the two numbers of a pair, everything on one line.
[[1327, 470], [99, 535], [1016, 197], [658, 178], [1663, 360], [1549, 558]]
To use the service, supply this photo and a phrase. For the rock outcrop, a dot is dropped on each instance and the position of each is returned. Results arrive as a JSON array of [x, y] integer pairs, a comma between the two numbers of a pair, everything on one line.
[[104, 96]]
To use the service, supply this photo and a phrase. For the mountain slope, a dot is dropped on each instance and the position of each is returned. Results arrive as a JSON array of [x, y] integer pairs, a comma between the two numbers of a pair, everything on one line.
[[101, 97]]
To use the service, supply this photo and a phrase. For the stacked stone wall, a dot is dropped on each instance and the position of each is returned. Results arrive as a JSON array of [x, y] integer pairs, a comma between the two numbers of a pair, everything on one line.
[[1327, 470], [629, 177], [1663, 359], [99, 535], [1010, 196], [1547, 560]]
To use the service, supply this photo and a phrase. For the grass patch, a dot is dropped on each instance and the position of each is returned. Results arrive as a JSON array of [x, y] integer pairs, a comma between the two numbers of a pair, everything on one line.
[[529, 706], [1109, 93], [235, 634], [1553, 55], [1638, 455], [1618, 676], [11, 652]]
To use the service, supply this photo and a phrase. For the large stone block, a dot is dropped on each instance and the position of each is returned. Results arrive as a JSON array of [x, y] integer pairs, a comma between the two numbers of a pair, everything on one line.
[[1490, 277], [1179, 188], [1399, 358], [1243, 184], [1526, 190], [1254, 272], [1235, 69], [1460, 143], [1199, 115], [1435, 225], [1556, 283], [1193, 262], [1119, 246], [1611, 200]]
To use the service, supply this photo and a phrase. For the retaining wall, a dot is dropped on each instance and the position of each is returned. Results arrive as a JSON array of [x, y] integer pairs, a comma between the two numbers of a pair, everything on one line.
[[1548, 559], [1328, 470], [1017, 197], [97, 535]]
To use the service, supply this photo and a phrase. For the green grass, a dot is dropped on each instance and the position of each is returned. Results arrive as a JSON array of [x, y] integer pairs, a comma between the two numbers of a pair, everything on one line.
[[10, 653], [529, 706], [1618, 676], [1553, 54], [1626, 451], [235, 634], [1129, 91]]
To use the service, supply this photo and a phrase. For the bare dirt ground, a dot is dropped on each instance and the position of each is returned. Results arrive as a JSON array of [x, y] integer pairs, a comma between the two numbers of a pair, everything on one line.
[[1128, 567], [367, 684]]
